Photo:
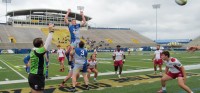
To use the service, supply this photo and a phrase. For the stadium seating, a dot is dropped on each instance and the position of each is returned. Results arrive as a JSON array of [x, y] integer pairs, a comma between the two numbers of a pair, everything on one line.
[[195, 42], [126, 38], [61, 36]]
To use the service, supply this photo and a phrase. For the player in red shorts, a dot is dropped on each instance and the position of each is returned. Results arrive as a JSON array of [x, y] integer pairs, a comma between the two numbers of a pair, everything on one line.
[[173, 70], [119, 59], [193, 48], [92, 67], [157, 60], [61, 58]]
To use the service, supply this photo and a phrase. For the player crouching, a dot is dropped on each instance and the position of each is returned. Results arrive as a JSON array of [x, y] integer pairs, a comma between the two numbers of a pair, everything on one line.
[[92, 67], [173, 70]]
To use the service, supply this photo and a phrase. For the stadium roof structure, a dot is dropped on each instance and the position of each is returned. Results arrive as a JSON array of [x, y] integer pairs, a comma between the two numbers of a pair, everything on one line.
[[45, 12]]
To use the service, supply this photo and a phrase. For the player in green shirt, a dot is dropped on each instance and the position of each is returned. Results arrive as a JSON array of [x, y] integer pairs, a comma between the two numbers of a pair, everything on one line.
[[36, 77]]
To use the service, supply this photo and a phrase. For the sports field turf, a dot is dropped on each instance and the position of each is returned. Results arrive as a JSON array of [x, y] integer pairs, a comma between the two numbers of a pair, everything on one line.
[[12, 69]]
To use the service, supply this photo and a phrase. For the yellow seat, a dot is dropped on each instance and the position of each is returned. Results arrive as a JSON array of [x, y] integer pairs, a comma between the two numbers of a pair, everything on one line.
[[61, 37], [135, 41], [110, 41]]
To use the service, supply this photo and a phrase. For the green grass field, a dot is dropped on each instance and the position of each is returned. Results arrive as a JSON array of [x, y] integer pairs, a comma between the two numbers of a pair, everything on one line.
[[12, 69]]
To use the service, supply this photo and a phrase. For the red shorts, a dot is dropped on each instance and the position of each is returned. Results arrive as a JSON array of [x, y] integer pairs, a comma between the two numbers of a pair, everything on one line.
[[91, 68], [158, 61], [60, 59], [175, 75], [118, 63]]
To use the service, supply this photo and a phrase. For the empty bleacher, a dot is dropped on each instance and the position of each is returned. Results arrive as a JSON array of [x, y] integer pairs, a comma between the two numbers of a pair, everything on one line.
[[126, 38], [195, 42]]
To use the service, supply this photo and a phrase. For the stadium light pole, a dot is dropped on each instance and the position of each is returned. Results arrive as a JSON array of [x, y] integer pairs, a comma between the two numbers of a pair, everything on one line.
[[156, 7], [6, 2]]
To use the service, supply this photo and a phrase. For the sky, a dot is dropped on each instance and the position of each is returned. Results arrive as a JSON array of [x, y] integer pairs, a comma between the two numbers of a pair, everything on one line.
[[174, 21]]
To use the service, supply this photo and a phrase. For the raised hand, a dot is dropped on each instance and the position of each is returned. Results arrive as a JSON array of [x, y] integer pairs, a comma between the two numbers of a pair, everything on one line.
[[69, 10], [81, 12], [51, 25]]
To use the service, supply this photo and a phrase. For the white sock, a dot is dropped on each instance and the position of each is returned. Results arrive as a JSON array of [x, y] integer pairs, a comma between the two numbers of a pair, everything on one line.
[[69, 67], [95, 79], [163, 88], [192, 92]]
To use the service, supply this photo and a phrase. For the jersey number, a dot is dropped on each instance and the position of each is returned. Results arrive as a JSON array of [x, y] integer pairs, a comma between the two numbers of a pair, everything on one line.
[[82, 52]]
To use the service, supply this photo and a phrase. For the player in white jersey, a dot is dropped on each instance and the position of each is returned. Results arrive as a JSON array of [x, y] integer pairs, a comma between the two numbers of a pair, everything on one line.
[[61, 58], [173, 70], [92, 66], [157, 59], [119, 59]]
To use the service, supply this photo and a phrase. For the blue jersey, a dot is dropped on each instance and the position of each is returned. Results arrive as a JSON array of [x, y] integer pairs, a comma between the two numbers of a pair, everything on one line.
[[80, 56], [26, 59], [74, 32]]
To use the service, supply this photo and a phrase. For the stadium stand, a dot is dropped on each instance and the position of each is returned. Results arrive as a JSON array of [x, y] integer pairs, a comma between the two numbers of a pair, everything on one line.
[[21, 37], [61, 36], [122, 37], [195, 42], [3, 34]]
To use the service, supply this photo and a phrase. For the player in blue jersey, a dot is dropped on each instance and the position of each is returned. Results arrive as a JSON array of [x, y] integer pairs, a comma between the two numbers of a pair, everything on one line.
[[80, 65], [74, 29], [26, 62]]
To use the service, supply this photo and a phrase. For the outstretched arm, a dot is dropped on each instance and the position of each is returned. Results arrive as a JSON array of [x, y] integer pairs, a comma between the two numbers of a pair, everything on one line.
[[50, 36], [66, 16], [83, 19]]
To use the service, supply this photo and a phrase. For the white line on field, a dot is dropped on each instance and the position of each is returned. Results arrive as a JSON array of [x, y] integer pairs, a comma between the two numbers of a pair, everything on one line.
[[13, 69], [188, 67]]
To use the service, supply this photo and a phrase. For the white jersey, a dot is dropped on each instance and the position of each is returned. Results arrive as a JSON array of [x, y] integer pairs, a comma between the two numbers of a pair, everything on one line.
[[61, 53], [173, 64], [158, 54], [95, 51], [92, 64], [118, 55]]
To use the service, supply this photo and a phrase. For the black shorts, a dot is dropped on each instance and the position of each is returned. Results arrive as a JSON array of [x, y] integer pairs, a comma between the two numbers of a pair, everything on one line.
[[36, 81], [69, 62]]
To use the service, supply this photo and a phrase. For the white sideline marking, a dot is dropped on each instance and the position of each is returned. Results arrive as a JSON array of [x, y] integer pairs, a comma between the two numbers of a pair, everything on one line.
[[13, 69], [188, 67]]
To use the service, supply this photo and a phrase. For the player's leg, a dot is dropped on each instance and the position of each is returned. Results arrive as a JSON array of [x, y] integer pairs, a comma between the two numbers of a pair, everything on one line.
[[155, 66], [68, 57], [60, 60], [95, 73], [84, 73], [63, 66], [76, 71], [120, 68], [67, 78], [47, 70], [160, 66], [85, 80], [182, 85], [28, 67], [88, 72], [115, 67], [163, 83]]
